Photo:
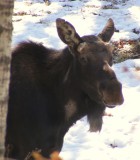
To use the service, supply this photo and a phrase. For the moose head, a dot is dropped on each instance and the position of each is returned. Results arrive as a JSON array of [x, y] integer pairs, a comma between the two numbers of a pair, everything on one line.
[[93, 55]]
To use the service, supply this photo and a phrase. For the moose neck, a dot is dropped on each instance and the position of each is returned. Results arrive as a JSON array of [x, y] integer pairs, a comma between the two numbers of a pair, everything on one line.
[[66, 84], [60, 68]]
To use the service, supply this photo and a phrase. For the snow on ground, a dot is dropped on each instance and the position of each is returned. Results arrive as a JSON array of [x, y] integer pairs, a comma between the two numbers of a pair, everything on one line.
[[120, 135]]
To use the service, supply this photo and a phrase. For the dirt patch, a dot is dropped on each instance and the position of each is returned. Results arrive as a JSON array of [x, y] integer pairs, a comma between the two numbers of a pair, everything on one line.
[[126, 49]]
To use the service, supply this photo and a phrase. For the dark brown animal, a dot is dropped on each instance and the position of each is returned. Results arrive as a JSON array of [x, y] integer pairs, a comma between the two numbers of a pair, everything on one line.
[[51, 89]]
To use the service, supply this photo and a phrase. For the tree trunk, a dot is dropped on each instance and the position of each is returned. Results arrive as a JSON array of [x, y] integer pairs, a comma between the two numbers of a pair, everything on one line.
[[6, 10]]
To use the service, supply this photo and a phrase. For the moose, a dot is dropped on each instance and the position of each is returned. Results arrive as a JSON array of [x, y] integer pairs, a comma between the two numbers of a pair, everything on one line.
[[50, 89]]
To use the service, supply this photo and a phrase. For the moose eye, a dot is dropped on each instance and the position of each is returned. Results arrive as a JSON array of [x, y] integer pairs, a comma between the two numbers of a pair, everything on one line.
[[111, 61], [111, 75]]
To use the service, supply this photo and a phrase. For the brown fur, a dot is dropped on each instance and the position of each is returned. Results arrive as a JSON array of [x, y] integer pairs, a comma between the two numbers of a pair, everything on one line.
[[51, 89]]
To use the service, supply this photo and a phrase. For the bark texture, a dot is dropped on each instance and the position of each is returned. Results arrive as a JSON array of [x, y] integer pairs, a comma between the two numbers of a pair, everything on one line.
[[6, 10]]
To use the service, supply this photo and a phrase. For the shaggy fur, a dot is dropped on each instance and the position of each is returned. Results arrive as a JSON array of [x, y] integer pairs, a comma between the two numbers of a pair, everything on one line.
[[51, 89]]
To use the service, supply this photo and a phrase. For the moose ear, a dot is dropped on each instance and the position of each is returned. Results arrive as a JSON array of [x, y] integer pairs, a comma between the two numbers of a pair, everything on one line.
[[108, 31], [67, 33]]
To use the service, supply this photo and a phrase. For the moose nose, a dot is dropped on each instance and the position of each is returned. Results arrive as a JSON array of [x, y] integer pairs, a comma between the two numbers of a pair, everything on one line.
[[115, 101], [120, 95], [121, 100]]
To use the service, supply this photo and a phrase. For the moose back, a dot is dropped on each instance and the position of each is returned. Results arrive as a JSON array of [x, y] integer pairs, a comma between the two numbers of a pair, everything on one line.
[[51, 89]]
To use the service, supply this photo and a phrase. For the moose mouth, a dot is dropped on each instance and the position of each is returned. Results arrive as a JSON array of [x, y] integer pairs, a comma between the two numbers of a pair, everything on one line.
[[101, 99], [110, 105], [112, 102], [106, 103]]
